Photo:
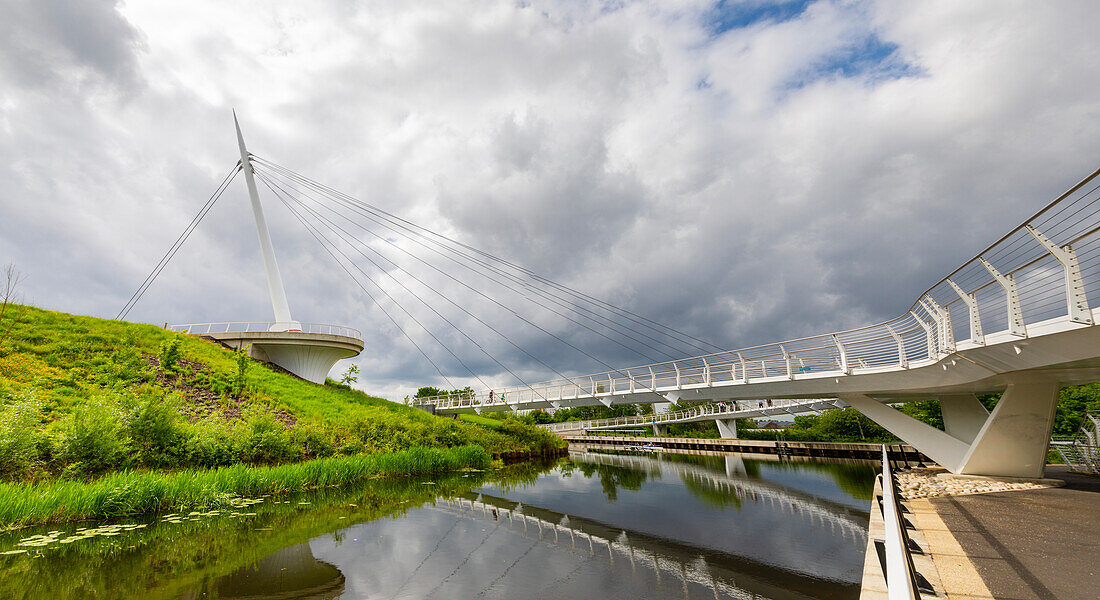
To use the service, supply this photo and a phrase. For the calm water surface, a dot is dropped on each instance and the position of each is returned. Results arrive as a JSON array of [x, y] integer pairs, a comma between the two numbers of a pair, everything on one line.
[[593, 525]]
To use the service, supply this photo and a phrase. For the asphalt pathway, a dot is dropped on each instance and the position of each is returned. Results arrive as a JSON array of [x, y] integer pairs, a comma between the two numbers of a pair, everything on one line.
[[1040, 544]]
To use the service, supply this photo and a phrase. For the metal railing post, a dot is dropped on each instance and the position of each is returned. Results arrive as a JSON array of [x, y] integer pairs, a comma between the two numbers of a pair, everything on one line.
[[1077, 304], [971, 301], [844, 368], [942, 317], [1012, 296], [902, 362]]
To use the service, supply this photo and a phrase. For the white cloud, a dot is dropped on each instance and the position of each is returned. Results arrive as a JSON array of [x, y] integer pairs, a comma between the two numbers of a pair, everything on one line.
[[746, 186]]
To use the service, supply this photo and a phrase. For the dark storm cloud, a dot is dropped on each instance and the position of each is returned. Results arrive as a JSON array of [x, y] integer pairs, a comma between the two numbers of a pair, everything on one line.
[[56, 45]]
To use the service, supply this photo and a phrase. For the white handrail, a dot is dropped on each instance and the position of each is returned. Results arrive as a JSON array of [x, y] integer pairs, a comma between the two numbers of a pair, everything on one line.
[[261, 326], [732, 410], [901, 580]]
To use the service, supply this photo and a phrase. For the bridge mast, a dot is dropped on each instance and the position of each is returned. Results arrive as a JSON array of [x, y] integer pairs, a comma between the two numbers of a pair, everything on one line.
[[274, 279]]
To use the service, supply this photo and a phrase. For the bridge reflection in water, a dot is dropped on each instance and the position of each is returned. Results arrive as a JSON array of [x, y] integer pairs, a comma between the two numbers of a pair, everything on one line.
[[603, 526]]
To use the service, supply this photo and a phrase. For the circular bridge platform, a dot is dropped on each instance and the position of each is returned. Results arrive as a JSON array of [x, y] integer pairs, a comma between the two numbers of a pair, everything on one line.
[[307, 350]]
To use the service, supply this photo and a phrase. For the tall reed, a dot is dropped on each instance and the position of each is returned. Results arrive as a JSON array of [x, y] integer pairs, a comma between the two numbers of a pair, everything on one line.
[[141, 492]]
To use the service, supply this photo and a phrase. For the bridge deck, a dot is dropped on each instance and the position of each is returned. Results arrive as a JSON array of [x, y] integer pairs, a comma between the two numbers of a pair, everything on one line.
[[1030, 544]]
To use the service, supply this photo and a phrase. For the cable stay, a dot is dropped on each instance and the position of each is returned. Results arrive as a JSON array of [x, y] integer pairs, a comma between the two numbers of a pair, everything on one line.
[[479, 292], [552, 298], [136, 296], [286, 197], [333, 250], [412, 227], [306, 198], [350, 240]]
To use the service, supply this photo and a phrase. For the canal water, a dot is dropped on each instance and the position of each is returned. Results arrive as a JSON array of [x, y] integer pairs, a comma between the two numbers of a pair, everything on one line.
[[596, 524]]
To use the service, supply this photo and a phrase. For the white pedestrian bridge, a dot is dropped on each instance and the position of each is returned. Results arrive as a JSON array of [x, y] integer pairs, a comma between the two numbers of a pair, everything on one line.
[[1016, 319]]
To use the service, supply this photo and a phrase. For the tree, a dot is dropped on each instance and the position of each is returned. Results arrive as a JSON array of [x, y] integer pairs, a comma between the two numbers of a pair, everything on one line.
[[9, 311], [350, 376]]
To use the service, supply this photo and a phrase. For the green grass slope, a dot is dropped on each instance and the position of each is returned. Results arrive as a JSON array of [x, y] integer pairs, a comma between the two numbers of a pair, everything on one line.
[[82, 396]]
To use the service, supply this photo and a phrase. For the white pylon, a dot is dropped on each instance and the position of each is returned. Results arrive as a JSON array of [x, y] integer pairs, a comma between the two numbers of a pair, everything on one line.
[[283, 320]]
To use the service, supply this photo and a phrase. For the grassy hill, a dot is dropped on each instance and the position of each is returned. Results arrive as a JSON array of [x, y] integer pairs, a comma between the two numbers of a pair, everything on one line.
[[81, 396]]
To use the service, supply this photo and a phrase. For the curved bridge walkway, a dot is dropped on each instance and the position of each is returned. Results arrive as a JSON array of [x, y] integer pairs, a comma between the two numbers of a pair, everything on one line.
[[1015, 319]]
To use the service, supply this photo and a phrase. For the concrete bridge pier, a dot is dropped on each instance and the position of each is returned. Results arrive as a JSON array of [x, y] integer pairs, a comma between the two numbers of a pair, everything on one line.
[[1011, 441], [727, 428], [661, 430]]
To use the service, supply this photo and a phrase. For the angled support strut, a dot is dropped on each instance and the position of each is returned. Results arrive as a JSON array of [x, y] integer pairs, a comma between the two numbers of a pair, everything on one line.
[[1077, 303], [1012, 296], [971, 301]]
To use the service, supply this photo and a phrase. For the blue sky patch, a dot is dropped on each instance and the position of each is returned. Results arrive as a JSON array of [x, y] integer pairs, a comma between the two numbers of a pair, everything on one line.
[[727, 15], [869, 57]]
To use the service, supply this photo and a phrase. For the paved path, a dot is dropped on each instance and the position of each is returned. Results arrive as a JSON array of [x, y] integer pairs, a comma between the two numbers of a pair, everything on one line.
[[1042, 544]]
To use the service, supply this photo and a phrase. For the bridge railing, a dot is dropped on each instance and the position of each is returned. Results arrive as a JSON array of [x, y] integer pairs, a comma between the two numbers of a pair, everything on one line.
[[729, 410], [1047, 267], [902, 580], [261, 326]]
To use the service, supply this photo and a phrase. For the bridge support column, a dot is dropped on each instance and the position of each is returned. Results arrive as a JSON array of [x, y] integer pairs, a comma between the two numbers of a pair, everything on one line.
[[963, 416], [1011, 441], [727, 428], [661, 430]]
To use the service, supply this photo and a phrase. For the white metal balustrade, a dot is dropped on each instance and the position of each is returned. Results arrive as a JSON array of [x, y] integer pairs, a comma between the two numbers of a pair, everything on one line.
[[739, 409], [1045, 270], [265, 326]]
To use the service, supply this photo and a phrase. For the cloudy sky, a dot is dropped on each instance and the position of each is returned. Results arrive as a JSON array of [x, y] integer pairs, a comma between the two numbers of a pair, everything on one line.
[[745, 171]]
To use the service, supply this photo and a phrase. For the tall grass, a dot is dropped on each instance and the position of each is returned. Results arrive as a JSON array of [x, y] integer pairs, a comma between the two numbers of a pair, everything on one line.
[[131, 492], [84, 396]]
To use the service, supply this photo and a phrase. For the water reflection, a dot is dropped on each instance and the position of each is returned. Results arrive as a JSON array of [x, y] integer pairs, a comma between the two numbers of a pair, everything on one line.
[[291, 574], [595, 525]]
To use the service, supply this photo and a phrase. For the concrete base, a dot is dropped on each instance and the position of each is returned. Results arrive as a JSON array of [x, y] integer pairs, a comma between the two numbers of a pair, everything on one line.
[[1011, 441], [307, 355]]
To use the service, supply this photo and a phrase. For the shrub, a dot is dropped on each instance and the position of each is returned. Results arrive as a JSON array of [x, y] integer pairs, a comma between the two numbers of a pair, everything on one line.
[[242, 361], [267, 441], [20, 438], [212, 444], [169, 353], [156, 432], [312, 441], [95, 437]]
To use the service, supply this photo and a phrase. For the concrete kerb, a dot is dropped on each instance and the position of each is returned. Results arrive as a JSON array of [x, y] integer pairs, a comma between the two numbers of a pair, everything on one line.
[[1043, 481]]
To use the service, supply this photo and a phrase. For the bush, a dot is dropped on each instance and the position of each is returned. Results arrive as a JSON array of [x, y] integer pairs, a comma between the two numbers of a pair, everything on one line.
[[212, 444], [156, 432], [20, 438], [267, 441], [242, 361], [169, 354], [94, 437]]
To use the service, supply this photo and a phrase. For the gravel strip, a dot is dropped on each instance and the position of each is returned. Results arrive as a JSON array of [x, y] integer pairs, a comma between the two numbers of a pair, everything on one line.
[[935, 483]]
